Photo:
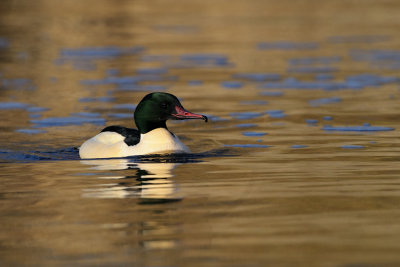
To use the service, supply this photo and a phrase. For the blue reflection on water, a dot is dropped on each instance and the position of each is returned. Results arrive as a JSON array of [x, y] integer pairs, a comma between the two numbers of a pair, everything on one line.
[[156, 58], [99, 52], [314, 60], [245, 115], [254, 133], [271, 93], [144, 88], [13, 105], [352, 147], [205, 59], [36, 109], [112, 72], [17, 84], [152, 71], [298, 146], [125, 106], [232, 84], [322, 69], [358, 81], [97, 99], [30, 131], [254, 102], [83, 58], [258, 77], [65, 121], [34, 112], [275, 113], [198, 60], [195, 82], [323, 77], [4, 43], [121, 115], [246, 125], [324, 101], [363, 128], [129, 79], [378, 58], [287, 45], [311, 121], [35, 115]]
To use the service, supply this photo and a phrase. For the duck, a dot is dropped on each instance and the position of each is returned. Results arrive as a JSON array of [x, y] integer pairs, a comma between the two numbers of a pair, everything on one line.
[[151, 136]]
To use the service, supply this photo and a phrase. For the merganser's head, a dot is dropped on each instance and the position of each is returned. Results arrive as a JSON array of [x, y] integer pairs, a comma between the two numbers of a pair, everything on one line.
[[156, 108]]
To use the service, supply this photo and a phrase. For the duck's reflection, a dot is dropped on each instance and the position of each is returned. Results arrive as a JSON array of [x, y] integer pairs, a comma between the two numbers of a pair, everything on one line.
[[150, 182]]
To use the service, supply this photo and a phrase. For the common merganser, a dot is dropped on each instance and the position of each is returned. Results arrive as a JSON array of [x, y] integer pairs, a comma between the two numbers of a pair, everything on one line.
[[152, 135]]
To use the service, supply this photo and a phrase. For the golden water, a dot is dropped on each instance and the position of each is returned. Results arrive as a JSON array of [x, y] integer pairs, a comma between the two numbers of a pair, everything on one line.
[[321, 205]]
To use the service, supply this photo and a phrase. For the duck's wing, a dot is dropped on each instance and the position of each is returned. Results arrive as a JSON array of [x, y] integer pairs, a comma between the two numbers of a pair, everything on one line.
[[132, 136]]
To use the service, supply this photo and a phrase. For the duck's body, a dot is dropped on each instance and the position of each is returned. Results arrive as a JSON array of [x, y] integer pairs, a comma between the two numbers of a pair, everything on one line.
[[152, 136], [108, 144]]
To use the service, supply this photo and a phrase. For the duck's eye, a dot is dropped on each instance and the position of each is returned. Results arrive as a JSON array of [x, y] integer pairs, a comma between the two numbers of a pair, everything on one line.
[[164, 105]]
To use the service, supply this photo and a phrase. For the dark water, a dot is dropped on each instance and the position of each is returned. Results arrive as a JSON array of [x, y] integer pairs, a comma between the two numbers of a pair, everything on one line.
[[298, 165]]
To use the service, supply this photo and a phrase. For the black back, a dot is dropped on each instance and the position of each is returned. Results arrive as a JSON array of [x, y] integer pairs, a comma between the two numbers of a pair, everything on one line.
[[132, 136]]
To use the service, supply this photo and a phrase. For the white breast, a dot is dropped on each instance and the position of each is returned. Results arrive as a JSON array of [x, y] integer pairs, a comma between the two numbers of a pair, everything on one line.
[[157, 141], [112, 145]]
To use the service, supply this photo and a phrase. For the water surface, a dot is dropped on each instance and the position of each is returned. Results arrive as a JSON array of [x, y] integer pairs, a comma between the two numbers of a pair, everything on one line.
[[297, 166]]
